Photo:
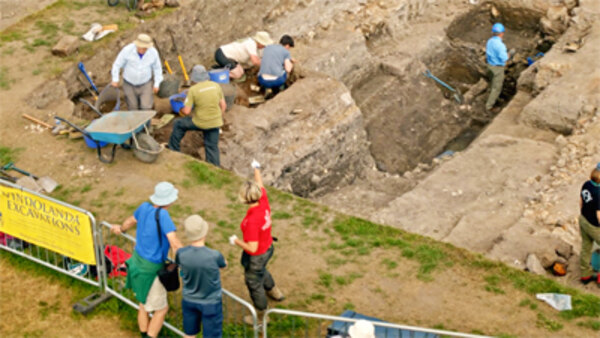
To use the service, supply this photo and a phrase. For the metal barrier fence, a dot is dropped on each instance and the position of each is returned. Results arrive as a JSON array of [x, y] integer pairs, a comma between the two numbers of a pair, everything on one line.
[[86, 273], [234, 308], [306, 324]]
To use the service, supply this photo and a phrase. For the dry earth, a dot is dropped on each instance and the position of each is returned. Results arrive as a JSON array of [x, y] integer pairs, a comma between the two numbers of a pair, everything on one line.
[[298, 269]]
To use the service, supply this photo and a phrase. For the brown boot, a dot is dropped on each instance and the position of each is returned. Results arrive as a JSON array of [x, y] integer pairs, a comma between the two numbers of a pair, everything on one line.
[[275, 294], [259, 316]]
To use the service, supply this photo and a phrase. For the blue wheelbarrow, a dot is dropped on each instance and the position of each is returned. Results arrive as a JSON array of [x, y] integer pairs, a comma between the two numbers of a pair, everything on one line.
[[117, 128]]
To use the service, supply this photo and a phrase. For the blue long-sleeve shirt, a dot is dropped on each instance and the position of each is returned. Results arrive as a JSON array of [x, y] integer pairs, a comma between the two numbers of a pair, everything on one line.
[[137, 70], [495, 52]]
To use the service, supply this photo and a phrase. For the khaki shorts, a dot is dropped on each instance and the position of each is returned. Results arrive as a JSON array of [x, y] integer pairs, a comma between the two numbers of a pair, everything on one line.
[[157, 297]]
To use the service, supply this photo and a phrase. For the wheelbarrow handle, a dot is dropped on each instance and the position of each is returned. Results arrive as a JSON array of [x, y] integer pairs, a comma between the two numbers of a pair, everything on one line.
[[86, 134], [74, 126]]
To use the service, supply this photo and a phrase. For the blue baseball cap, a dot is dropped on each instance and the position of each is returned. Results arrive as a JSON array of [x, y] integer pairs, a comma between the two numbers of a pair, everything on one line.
[[498, 28]]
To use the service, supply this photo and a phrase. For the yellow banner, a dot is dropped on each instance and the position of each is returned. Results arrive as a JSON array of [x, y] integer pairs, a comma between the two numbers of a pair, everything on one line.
[[47, 224]]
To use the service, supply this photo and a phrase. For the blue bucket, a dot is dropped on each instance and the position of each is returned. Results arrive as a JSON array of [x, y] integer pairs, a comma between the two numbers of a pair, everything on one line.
[[219, 75], [177, 101]]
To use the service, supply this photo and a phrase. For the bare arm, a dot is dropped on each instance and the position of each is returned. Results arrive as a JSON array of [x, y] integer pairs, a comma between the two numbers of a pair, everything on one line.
[[174, 241], [128, 223], [258, 178], [247, 246], [185, 111], [223, 105], [288, 65], [255, 60]]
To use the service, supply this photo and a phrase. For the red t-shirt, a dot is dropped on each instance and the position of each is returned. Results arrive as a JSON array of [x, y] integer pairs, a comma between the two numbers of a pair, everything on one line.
[[256, 226]]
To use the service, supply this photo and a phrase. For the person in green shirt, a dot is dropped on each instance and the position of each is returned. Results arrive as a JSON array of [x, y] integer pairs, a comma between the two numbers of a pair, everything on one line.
[[206, 104]]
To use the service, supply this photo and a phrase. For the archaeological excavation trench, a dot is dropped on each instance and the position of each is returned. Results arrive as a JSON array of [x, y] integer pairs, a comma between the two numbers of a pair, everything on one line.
[[408, 119]]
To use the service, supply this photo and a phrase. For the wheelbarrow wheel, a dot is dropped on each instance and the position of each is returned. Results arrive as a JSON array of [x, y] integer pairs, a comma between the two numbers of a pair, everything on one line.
[[112, 3], [145, 148]]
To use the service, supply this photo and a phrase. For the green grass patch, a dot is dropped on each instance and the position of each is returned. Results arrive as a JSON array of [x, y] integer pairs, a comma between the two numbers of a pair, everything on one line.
[[590, 324], [86, 188], [325, 279], [547, 323], [47, 28], [201, 173], [528, 302], [493, 282], [37, 42], [281, 215], [8, 154], [12, 35], [389, 264], [5, 80]]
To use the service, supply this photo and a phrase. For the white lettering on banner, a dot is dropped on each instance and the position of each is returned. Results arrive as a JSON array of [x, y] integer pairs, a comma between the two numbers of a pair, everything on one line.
[[586, 195], [267, 220]]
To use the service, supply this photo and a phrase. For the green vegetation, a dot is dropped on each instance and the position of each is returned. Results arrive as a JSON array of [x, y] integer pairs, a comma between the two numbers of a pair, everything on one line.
[[547, 323], [8, 154], [325, 279], [590, 324], [281, 215], [528, 302], [5, 80], [202, 173], [389, 264], [492, 284], [79, 290]]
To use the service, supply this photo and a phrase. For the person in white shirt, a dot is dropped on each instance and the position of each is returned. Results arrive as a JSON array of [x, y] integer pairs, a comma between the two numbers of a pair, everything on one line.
[[140, 62], [242, 52]]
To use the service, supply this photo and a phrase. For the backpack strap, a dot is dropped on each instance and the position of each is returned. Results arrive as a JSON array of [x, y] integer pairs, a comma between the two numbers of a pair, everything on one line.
[[157, 217]]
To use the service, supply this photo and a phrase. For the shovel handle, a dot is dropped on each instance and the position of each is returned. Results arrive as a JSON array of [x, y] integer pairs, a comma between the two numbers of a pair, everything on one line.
[[185, 74], [41, 123]]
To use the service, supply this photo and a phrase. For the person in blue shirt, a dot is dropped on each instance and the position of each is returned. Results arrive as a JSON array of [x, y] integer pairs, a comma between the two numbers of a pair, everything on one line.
[[589, 224], [140, 62], [276, 64], [496, 57], [202, 298], [153, 241]]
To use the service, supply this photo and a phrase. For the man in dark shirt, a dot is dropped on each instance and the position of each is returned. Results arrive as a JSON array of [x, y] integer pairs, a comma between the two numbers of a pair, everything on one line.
[[202, 295], [589, 225]]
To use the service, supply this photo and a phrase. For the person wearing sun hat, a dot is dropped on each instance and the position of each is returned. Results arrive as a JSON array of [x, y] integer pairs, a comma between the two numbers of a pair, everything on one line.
[[140, 62], [150, 252], [244, 52], [201, 303], [589, 224], [208, 103]]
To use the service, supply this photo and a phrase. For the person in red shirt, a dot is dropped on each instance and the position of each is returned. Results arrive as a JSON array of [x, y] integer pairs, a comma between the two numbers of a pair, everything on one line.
[[257, 243]]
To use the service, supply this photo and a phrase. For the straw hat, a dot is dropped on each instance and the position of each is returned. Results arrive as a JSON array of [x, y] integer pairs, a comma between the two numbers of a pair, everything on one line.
[[263, 38], [143, 41], [362, 329], [164, 194], [195, 228], [199, 74]]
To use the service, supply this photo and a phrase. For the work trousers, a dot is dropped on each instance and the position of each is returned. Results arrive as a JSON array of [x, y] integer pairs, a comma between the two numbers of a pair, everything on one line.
[[138, 97], [496, 75], [589, 234], [223, 60], [258, 278], [211, 139]]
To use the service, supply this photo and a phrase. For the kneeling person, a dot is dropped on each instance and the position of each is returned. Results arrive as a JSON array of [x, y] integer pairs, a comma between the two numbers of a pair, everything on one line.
[[276, 64], [206, 98], [202, 304]]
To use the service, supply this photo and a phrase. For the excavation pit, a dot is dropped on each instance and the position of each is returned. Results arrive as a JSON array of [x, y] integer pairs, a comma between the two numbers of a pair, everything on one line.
[[411, 119]]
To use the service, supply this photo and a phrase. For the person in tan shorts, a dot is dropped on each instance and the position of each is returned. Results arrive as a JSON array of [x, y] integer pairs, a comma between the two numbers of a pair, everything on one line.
[[154, 236]]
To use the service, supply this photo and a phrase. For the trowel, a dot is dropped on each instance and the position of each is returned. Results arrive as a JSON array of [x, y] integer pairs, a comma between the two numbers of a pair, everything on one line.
[[45, 182]]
